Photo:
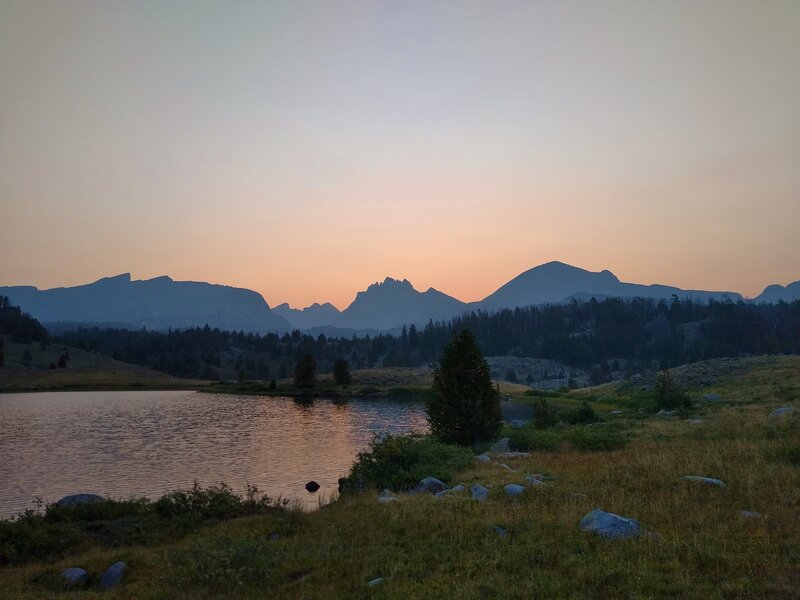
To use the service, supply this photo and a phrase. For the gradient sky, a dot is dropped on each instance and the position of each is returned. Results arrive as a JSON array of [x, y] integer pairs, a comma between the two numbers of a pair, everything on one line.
[[308, 149]]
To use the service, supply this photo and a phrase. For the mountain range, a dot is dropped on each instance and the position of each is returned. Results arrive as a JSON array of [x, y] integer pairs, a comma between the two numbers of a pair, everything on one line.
[[163, 303]]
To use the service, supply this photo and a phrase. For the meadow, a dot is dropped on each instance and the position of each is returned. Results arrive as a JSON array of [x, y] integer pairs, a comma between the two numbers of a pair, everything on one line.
[[699, 543]]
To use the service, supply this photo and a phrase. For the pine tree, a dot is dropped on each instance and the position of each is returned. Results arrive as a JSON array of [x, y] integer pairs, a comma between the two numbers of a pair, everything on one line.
[[305, 373], [341, 372], [464, 407]]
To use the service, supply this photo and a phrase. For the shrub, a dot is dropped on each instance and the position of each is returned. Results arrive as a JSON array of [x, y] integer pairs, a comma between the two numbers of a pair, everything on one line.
[[398, 463], [579, 416], [341, 373], [543, 417], [669, 396], [593, 440], [305, 373], [464, 407], [529, 438]]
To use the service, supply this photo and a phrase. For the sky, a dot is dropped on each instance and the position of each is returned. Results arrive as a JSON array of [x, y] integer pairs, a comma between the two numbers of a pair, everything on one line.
[[308, 149]]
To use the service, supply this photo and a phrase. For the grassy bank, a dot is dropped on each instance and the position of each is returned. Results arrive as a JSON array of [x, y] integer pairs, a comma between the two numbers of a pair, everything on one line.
[[424, 546]]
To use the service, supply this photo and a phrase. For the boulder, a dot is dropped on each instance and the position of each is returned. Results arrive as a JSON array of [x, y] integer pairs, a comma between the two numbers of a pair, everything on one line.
[[500, 531], [616, 412], [534, 480], [479, 493], [694, 421], [274, 537], [666, 413], [484, 458], [376, 581], [750, 514], [712, 397], [453, 490], [113, 575], [782, 411], [500, 446], [706, 480], [609, 525], [76, 499], [429, 485], [518, 423], [312, 486], [514, 455], [75, 576], [514, 489], [386, 496]]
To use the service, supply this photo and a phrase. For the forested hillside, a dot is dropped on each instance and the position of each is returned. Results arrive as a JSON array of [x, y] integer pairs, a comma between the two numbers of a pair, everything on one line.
[[642, 333]]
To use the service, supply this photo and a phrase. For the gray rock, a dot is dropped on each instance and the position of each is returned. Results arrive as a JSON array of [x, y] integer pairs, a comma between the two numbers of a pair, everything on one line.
[[534, 480], [76, 499], [274, 537], [500, 446], [598, 424], [706, 480], [386, 496], [616, 412], [579, 496], [504, 466], [750, 514], [453, 490], [376, 581], [75, 576], [429, 485], [609, 525], [712, 397], [694, 421], [666, 413], [782, 411], [513, 454], [479, 493], [518, 423], [113, 575], [514, 489], [500, 531], [484, 458]]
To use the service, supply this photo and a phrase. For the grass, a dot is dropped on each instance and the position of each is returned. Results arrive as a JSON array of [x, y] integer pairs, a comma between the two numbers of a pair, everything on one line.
[[447, 548], [86, 371]]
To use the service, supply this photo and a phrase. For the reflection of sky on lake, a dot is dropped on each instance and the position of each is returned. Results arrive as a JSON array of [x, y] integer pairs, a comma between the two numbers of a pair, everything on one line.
[[124, 444]]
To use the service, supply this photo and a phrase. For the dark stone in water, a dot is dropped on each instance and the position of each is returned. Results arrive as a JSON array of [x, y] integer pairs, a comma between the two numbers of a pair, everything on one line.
[[76, 499], [312, 486]]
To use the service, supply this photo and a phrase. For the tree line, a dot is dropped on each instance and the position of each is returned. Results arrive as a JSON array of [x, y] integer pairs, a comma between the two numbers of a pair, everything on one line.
[[643, 332]]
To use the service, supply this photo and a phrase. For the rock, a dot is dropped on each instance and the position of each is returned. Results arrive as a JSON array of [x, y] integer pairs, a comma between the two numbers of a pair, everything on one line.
[[453, 490], [513, 454], [706, 480], [616, 412], [479, 493], [485, 458], [429, 485], [312, 486], [113, 575], [694, 421], [580, 496], [76, 499], [504, 466], [500, 446], [750, 514], [712, 397], [514, 489], [534, 480], [518, 423], [274, 537], [609, 525], [500, 531], [598, 424], [376, 581], [75, 576], [666, 413], [386, 496], [782, 411]]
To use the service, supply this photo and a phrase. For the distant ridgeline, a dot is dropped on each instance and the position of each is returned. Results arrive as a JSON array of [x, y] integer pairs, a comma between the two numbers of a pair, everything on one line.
[[645, 333]]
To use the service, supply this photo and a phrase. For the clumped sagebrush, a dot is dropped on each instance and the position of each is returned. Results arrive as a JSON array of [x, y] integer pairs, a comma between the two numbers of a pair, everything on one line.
[[529, 438], [597, 439], [399, 462]]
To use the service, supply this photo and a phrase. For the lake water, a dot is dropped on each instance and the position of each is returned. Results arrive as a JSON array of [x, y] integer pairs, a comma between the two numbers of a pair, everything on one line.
[[123, 444]]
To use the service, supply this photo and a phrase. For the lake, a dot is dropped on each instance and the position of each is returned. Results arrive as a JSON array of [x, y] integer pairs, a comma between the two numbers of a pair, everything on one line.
[[123, 444]]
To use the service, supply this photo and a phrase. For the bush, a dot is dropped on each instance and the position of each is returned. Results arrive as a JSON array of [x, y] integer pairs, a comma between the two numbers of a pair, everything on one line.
[[594, 440], [529, 438], [543, 416], [214, 502], [464, 407], [398, 463], [341, 373], [305, 373], [581, 415], [669, 396]]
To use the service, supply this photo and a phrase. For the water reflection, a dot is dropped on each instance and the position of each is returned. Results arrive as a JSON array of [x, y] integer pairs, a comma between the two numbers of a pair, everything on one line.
[[123, 444]]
